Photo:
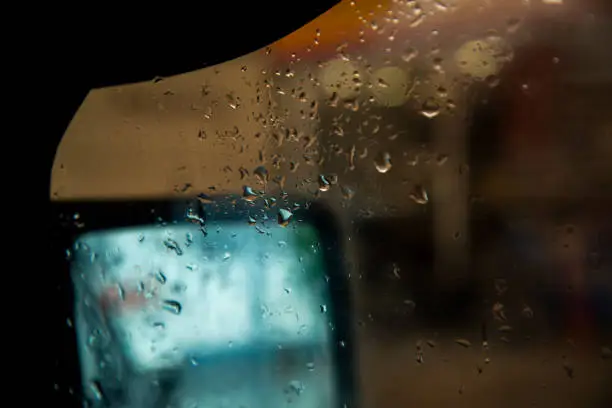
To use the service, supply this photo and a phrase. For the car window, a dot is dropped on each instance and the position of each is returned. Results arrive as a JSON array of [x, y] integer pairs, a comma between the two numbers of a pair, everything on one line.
[[464, 148]]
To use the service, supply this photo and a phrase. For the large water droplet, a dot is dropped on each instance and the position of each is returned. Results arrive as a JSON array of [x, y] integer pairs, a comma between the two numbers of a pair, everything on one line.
[[419, 195], [173, 245], [383, 163], [430, 108], [96, 390], [248, 194], [382, 83], [284, 216], [262, 174], [324, 183], [172, 306]]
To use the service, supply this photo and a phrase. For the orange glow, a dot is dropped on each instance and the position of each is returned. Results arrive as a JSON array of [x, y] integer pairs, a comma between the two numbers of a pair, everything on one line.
[[341, 24]]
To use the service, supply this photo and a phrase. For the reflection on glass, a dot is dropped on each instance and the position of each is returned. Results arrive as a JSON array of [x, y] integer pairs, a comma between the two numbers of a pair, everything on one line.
[[168, 314]]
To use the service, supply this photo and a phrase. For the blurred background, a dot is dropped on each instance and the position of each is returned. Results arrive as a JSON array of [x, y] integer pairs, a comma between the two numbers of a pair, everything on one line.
[[466, 147]]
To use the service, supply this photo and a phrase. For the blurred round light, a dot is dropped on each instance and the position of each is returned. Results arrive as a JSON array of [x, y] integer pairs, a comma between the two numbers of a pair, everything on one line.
[[390, 86], [484, 57], [338, 76]]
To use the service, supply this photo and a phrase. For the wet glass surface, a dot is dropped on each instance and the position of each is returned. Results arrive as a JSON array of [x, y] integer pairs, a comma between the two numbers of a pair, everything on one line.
[[464, 147]]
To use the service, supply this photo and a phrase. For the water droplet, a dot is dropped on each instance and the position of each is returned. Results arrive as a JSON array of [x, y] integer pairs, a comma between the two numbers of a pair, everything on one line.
[[69, 322], [409, 54], [505, 328], [463, 342], [248, 194], [382, 83], [383, 163], [296, 387], [324, 183], [396, 271], [498, 312], [419, 195], [430, 108], [310, 366], [419, 357], [172, 306], [431, 343], [284, 216], [262, 174], [323, 308], [527, 312], [440, 5], [161, 278], [173, 245], [96, 390], [192, 217], [441, 159], [492, 81]]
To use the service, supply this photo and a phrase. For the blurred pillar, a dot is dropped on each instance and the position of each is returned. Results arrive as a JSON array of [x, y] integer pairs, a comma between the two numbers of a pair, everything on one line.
[[450, 194]]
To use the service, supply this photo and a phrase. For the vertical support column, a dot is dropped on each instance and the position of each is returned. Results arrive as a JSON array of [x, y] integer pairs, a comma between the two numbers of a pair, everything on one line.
[[450, 197]]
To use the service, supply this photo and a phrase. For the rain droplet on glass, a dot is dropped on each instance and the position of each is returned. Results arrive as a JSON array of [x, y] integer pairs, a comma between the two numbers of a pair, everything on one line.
[[419, 195], [383, 163], [262, 174], [463, 342], [284, 216], [173, 245], [324, 183], [430, 108], [172, 306], [248, 194]]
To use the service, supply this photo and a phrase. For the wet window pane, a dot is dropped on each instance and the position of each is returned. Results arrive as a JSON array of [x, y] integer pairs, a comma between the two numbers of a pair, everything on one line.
[[172, 306], [464, 149]]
